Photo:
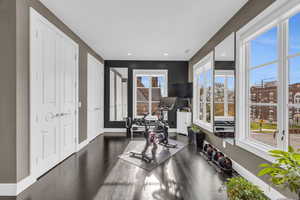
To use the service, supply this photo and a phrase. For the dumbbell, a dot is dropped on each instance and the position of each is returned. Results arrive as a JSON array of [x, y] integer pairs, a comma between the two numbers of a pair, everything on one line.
[[225, 164], [218, 155]]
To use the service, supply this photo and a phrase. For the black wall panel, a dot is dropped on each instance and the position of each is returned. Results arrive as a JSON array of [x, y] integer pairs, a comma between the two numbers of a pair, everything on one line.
[[177, 73]]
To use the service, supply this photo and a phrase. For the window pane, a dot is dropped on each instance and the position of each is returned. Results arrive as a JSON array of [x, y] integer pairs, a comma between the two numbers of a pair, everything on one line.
[[154, 108], [143, 81], [142, 108], [230, 89], [263, 84], [231, 109], [158, 81], [208, 114], [201, 87], [201, 111], [294, 127], [264, 48], [219, 89], [263, 124], [142, 94], [208, 85], [156, 94], [294, 34], [294, 80], [219, 109]]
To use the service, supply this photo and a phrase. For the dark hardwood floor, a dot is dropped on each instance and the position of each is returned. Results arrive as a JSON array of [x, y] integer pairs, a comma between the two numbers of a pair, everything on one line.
[[96, 173]]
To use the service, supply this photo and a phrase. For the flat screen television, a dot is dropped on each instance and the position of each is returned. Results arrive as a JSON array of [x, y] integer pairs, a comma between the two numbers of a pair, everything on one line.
[[183, 90]]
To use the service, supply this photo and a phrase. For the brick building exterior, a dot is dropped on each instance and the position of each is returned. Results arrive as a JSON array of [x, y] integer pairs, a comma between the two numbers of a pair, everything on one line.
[[267, 93]]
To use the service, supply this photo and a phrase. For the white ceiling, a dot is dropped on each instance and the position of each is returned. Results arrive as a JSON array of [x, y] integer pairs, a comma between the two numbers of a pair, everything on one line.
[[145, 28]]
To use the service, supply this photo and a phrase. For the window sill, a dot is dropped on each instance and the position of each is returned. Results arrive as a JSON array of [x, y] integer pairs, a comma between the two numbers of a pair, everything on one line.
[[257, 149], [204, 125], [224, 118]]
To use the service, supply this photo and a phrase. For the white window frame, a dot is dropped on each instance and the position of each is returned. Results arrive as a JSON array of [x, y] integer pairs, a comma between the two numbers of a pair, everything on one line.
[[226, 74], [275, 15], [151, 73], [207, 63]]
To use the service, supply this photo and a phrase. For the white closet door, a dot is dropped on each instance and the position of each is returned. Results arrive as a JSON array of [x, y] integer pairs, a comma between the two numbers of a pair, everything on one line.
[[68, 65], [101, 96], [53, 95], [94, 97], [97, 97], [91, 99], [45, 96]]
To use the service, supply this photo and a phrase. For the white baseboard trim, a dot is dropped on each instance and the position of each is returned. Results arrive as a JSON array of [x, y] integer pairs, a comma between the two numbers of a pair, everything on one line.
[[13, 189], [268, 190], [9, 189], [25, 183], [173, 130], [115, 130], [82, 145]]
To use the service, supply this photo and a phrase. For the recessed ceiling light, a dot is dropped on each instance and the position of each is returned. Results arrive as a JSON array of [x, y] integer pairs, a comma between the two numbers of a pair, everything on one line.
[[166, 54], [129, 54]]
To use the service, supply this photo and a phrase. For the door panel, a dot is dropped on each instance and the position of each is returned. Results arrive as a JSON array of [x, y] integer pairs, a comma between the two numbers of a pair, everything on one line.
[[101, 97], [95, 96], [68, 96], [47, 98], [53, 73]]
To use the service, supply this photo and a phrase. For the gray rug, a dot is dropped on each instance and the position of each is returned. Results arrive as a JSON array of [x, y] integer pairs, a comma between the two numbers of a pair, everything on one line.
[[162, 154]]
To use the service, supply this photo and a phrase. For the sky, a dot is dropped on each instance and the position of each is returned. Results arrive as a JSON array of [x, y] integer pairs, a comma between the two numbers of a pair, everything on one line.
[[264, 49]]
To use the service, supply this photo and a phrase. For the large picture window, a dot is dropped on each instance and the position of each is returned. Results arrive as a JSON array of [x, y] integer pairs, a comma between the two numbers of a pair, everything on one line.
[[149, 87], [203, 87], [268, 109]]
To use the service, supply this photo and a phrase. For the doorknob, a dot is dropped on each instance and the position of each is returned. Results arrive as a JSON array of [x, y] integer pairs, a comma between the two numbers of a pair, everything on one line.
[[51, 116], [64, 114]]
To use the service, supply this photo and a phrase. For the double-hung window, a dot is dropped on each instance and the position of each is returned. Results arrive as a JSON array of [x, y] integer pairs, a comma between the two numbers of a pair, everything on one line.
[[203, 87], [268, 76], [149, 86]]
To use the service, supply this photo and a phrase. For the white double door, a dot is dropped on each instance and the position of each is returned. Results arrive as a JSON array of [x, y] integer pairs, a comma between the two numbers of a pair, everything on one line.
[[95, 95], [53, 89]]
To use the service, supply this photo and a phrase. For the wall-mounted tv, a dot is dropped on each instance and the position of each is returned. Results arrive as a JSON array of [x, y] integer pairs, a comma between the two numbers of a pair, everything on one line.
[[182, 90]]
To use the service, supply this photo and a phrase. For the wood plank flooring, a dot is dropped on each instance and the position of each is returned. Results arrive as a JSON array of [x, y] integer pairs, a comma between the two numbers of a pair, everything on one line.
[[96, 173]]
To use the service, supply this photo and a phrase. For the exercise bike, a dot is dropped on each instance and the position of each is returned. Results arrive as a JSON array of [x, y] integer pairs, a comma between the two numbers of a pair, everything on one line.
[[158, 135], [149, 140]]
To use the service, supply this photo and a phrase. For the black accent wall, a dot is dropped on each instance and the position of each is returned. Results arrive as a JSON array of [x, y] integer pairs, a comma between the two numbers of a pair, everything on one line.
[[177, 73], [224, 65]]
